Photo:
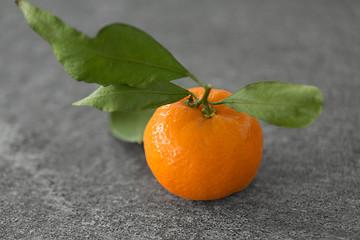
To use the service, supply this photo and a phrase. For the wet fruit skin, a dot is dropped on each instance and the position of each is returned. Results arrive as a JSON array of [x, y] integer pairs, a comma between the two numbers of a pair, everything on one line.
[[202, 158]]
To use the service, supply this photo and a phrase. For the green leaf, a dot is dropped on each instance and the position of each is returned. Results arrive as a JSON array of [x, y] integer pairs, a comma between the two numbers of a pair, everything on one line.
[[118, 54], [123, 98], [282, 104], [129, 126]]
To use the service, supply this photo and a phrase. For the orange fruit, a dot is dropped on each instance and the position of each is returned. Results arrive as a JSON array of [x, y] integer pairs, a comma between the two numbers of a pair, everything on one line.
[[202, 158]]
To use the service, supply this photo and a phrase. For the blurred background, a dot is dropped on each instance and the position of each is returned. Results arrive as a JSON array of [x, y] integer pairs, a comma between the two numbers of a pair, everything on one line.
[[62, 175]]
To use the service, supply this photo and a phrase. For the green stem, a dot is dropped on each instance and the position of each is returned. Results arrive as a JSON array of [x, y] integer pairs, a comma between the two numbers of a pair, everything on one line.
[[207, 110], [194, 96], [192, 104], [196, 80], [216, 103]]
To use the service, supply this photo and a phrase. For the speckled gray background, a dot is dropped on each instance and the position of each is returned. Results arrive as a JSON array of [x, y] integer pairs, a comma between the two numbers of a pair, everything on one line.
[[63, 176]]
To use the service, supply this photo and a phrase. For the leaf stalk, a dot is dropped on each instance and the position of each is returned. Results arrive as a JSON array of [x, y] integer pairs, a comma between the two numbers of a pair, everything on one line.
[[193, 77]]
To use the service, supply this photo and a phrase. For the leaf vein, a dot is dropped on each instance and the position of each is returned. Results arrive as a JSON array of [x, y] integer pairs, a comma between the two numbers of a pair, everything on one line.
[[117, 93], [270, 103], [60, 37]]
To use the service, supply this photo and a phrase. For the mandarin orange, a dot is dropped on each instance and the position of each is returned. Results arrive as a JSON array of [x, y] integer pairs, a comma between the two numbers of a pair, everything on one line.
[[202, 158]]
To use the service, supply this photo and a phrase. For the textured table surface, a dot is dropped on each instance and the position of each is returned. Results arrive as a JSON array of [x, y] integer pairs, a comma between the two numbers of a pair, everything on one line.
[[63, 176]]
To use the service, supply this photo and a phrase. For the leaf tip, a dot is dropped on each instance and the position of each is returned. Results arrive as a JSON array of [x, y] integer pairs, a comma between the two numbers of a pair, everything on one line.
[[78, 103], [20, 3]]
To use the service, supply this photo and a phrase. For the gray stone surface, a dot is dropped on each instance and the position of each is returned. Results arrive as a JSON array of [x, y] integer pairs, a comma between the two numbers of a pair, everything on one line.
[[63, 176]]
